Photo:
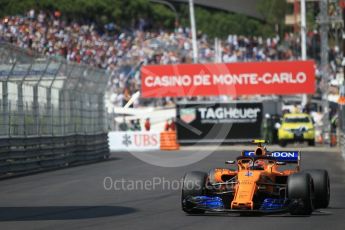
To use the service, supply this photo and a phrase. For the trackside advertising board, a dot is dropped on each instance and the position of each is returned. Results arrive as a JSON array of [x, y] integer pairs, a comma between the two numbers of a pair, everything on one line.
[[133, 141], [279, 78], [207, 122]]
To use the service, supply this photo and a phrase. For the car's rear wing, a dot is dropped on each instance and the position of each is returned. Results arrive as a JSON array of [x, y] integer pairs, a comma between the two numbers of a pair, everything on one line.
[[292, 157]]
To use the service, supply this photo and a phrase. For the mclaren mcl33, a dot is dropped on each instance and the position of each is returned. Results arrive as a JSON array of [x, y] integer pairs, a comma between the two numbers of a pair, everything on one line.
[[262, 182]]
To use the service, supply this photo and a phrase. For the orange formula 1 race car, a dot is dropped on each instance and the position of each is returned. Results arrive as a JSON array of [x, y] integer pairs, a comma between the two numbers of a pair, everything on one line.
[[257, 185]]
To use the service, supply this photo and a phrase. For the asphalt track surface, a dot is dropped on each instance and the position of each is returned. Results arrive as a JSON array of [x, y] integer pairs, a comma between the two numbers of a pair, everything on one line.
[[75, 198]]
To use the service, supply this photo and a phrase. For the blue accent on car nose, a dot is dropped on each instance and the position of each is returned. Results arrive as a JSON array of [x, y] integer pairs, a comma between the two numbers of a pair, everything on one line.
[[209, 202], [271, 204]]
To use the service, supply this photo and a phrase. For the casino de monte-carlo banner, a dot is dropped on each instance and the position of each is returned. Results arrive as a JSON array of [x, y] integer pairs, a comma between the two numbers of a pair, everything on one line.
[[247, 78]]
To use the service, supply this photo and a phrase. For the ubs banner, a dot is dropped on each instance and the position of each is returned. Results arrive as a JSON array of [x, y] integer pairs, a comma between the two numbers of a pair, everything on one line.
[[218, 122], [133, 141]]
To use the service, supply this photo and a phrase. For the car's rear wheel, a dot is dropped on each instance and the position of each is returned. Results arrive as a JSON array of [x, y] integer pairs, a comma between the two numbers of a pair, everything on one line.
[[300, 190], [193, 184], [322, 191]]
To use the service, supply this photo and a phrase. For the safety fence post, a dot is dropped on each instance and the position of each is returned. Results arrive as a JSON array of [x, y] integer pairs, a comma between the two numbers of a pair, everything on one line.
[[5, 129]]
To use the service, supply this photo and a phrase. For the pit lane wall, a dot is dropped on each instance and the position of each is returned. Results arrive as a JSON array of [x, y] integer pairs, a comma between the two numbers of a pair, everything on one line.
[[52, 113]]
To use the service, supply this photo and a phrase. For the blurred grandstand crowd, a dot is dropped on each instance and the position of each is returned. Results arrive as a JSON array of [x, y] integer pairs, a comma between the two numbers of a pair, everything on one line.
[[121, 52]]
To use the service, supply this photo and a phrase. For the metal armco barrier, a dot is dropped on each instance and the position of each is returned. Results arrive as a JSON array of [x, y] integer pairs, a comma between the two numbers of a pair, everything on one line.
[[342, 129], [52, 113], [33, 154], [342, 143]]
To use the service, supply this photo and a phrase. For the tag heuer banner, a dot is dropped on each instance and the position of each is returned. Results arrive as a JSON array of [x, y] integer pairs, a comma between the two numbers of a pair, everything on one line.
[[218, 122], [279, 78]]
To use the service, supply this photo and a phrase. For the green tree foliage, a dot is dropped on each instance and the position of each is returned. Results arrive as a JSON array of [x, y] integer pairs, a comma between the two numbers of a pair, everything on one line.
[[125, 13], [222, 24], [122, 12], [273, 12], [163, 16], [217, 23]]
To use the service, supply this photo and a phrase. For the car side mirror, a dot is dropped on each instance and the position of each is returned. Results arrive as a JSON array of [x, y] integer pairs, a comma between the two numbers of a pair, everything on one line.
[[280, 163], [230, 162]]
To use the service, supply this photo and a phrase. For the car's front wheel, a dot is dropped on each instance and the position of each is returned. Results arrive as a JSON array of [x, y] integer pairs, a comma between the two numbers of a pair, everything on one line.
[[300, 190], [193, 184]]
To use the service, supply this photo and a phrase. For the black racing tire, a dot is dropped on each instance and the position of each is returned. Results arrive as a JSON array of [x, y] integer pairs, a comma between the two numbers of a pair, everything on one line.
[[282, 143], [311, 142], [193, 184], [300, 188], [322, 191], [226, 197], [211, 178]]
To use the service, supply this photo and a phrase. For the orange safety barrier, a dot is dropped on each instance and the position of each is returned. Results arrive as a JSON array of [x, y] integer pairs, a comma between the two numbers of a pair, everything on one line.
[[319, 139], [333, 139], [169, 141], [341, 100]]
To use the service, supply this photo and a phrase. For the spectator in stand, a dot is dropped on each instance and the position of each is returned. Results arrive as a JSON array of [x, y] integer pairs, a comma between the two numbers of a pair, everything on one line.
[[137, 125], [167, 126], [123, 126], [120, 53], [147, 124], [132, 126], [172, 126]]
